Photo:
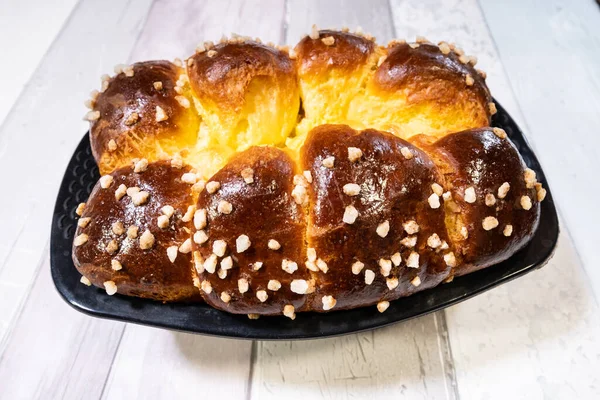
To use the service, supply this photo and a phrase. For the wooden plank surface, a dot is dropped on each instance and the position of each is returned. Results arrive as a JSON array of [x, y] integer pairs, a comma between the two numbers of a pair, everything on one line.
[[533, 338], [54, 351], [160, 364], [373, 16], [175, 29], [24, 24], [559, 91], [405, 360]]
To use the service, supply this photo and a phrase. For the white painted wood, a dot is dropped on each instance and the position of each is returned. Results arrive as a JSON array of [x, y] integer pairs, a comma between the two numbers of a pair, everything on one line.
[[177, 28], [38, 137], [411, 359], [532, 338], [393, 362], [160, 364], [373, 17], [27, 28], [559, 91], [54, 351]]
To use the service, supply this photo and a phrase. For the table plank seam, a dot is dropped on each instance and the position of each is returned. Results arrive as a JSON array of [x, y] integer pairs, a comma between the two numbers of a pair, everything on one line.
[[446, 357], [391, 21], [253, 349], [112, 362]]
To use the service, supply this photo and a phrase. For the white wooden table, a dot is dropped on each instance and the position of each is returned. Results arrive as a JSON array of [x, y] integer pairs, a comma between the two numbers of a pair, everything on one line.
[[535, 338]]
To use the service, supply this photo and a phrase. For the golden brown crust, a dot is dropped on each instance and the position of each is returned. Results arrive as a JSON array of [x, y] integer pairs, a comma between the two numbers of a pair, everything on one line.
[[223, 73], [418, 89], [263, 210], [396, 193], [481, 160], [145, 273], [128, 116], [246, 94], [426, 74], [346, 52]]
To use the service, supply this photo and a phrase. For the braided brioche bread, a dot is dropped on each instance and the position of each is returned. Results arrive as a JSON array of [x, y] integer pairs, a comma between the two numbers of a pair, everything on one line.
[[269, 181]]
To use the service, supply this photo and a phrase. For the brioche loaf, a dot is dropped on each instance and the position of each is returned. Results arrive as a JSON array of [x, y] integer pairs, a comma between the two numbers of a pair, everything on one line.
[[264, 180]]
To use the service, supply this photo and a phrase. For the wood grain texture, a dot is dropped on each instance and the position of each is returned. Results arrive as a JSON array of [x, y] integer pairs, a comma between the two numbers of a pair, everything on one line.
[[54, 351], [539, 332], [559, 91], [174, 29], [28, 21], [39, 135], [373, 17], [410, 359], [393, 362], [161, 364], [516, 332]]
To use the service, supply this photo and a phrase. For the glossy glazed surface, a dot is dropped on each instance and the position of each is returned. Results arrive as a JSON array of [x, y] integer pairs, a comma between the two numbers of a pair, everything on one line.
[[262, 210], [392, 189], [144, 272]]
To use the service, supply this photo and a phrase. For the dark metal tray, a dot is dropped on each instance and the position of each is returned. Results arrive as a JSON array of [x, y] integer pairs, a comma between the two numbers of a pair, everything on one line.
[[82, 174]]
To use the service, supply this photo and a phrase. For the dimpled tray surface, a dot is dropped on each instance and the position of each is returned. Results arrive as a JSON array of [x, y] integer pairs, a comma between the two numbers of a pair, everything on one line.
[[82, 174]]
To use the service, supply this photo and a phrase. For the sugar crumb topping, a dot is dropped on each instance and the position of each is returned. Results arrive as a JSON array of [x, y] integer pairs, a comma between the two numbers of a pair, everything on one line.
[[357, 267], [85, 281], [434, 201], [328, 162], [350, 215], [161, 115], [351, 189], [243, 285], [219, 247], [503, 190], [242, 243], [328, 302], [383, 228], [489, 223], [526, 202], [385, 266], [110, 287], [382, 306], [289, 311], [146, 240], [369, 277], [172, 252], [413, 260], [354, 154]]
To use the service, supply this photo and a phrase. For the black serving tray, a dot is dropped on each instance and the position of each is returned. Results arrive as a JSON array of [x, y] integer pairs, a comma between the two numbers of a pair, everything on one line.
[[82, 174]]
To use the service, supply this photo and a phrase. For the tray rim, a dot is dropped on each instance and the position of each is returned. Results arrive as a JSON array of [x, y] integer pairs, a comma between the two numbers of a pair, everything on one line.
[[212, 330]]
